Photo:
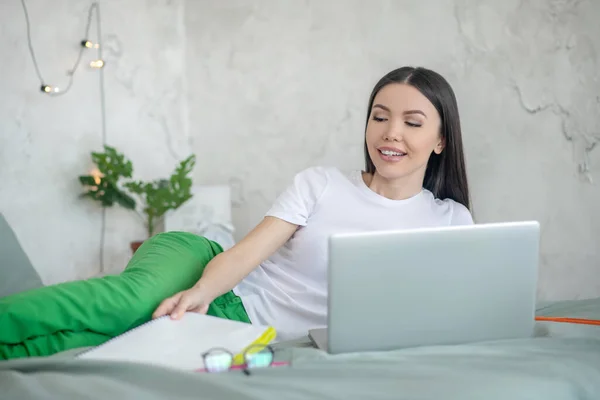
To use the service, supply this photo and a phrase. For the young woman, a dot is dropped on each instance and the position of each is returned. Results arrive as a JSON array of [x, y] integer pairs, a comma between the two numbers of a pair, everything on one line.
[[414, 177]]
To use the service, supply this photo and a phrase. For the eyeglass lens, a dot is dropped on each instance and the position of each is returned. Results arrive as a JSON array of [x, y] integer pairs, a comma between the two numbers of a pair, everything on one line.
[[218, 361], [260, 359]]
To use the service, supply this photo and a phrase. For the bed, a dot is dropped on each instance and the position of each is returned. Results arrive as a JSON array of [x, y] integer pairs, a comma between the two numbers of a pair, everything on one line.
[[565, 368], [561, 362]]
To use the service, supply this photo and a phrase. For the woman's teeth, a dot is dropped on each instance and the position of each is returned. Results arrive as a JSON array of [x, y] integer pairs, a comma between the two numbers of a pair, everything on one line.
[[391, 153]]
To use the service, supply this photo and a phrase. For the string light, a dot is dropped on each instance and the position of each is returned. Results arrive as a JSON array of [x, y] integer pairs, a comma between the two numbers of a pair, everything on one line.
[[51, 90], [89, 44], [97, 64], [97, 175], [85, 44]]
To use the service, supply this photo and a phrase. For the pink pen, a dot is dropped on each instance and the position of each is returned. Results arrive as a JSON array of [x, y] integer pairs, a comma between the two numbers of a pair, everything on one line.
[[243, 366]]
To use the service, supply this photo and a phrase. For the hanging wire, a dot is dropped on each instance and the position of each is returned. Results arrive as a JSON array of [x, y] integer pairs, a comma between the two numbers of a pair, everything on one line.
[[56, 91], [50, 89], [102, 118]]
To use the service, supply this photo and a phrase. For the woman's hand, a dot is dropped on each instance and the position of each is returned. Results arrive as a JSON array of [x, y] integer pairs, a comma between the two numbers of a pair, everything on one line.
[[192, 300]]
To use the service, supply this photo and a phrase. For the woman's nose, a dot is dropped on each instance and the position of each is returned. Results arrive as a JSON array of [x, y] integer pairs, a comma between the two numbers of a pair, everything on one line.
[[394, 133]]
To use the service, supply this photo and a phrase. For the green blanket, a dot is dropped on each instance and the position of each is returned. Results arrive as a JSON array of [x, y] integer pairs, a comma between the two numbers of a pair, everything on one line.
[[60, 317]]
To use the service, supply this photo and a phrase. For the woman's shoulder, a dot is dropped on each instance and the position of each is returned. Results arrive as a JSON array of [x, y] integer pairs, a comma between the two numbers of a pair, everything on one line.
[[319, 175], [314, 172], [459, 213]]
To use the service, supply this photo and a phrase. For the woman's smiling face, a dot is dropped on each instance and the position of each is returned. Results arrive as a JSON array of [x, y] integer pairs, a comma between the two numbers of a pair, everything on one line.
[[402, 132]]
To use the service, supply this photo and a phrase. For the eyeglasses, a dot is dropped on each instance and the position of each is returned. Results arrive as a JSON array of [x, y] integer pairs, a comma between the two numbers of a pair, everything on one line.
[[256, 356]]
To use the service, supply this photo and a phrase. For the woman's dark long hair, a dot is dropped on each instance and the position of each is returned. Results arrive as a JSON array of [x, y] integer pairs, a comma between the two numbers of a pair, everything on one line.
[[446, 175]]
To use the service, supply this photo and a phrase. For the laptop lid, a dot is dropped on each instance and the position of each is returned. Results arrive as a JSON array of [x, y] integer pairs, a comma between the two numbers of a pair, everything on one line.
[[430, 286]]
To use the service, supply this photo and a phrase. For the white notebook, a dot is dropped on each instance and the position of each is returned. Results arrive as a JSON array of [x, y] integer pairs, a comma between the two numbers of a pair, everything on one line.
[[180, 343]]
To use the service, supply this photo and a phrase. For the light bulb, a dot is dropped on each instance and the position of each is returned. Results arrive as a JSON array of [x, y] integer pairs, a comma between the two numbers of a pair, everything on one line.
[[97, 64], [49, 89], [89, 44], [97, 175]]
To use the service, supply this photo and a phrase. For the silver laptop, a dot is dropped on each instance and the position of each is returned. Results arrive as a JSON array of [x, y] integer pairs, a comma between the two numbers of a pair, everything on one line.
[[431, 286]]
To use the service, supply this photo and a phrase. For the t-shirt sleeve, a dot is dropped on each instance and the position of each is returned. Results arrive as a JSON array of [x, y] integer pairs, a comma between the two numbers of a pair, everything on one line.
[[298, 201], [461, 215]]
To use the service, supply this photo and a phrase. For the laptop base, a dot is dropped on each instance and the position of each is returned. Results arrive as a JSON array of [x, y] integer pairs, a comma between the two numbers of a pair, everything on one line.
[[318, 337]]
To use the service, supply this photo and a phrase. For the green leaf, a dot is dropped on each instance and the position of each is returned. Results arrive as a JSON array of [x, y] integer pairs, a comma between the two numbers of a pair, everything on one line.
[[113, 164], [124, 199], [87, 180]]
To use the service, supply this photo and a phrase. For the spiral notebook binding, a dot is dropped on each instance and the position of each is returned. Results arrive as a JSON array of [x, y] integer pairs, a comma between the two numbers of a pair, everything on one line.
[[129, 331]]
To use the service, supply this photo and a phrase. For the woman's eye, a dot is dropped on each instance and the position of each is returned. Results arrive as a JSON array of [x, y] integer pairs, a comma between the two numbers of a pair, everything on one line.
[[378, 119], [413, 124]]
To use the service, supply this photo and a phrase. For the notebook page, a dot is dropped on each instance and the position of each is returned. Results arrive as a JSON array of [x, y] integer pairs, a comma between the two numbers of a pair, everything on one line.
[[177, 344]]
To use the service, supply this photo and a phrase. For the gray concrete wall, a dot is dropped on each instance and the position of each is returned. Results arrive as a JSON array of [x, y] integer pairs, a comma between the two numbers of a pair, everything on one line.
[[276, 86], [45, 142], [261, 89]]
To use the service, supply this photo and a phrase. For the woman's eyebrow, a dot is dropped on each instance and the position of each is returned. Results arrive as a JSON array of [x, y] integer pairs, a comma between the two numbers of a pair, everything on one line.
[[381, 106], [414, 112], [407, 112]]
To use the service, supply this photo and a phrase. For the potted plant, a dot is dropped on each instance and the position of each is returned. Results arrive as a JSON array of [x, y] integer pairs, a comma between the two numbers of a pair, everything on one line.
[[156, 197], [162, 195]]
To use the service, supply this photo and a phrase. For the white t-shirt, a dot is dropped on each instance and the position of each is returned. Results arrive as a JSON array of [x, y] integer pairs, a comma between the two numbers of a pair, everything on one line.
[[289, 290]]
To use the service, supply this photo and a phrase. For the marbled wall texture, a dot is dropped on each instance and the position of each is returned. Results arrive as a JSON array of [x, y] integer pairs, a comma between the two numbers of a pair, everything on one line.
[[45, 142], [275, 86]]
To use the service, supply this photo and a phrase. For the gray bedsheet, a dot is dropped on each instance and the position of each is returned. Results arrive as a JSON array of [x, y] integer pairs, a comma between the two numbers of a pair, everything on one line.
[[543, 368], [564, 364]]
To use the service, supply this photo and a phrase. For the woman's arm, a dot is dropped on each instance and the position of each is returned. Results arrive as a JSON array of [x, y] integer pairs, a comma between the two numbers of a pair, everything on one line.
[[227, 269]]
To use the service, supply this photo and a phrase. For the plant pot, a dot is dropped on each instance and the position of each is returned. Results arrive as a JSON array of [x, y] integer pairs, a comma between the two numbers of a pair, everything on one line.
[[135, 245]]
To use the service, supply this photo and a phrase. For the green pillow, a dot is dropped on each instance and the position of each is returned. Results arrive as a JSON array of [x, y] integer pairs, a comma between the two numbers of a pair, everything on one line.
[[55, 318]]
